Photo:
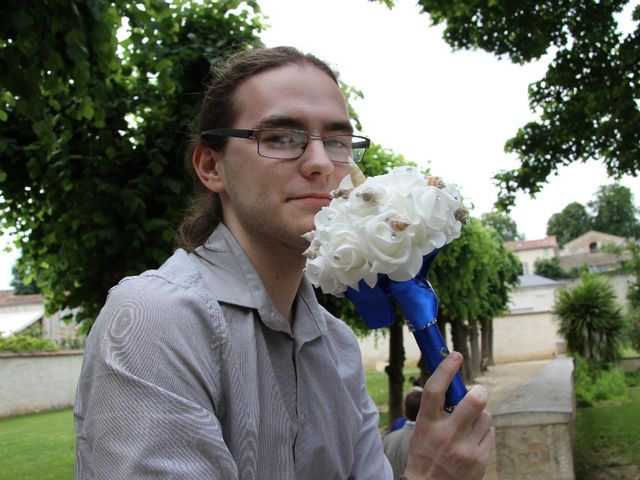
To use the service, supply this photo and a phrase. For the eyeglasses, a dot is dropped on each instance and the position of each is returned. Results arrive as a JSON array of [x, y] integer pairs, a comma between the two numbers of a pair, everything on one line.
[[288, 144]]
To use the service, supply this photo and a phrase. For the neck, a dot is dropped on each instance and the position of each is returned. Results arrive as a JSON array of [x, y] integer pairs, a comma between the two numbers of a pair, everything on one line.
[[281, 275]]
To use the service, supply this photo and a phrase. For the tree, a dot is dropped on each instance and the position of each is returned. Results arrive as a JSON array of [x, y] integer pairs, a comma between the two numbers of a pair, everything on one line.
[[590, 320], [586, 102], [94, 128], [614, 211], [502, 223], [20, 286], [472, 277], [611, 211], [571, 222], [550, 268]]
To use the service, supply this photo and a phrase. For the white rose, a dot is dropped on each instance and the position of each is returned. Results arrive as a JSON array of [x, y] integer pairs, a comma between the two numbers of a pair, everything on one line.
[[320, 274], [386, 248]]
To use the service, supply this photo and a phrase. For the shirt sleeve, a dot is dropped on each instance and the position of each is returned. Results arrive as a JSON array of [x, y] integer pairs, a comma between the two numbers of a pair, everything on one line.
[[145, 400], [370, 461]]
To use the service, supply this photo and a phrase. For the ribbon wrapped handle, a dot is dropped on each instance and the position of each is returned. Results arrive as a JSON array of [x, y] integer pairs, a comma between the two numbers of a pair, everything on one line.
[[419, 303]]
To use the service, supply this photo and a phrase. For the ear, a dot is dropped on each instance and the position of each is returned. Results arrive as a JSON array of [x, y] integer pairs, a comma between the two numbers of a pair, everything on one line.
[[207, 164]]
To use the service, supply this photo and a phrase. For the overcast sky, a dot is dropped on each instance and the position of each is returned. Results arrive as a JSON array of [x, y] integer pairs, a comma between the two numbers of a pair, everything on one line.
[[450, 111]]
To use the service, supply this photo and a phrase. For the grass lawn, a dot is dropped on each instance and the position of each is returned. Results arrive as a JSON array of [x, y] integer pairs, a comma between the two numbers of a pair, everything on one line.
[[378, 387], [42, 445], [609, 436], [39, 446]]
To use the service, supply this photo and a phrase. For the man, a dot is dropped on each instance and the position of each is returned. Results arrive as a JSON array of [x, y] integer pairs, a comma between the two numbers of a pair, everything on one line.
[[221, 363], [396, 443]]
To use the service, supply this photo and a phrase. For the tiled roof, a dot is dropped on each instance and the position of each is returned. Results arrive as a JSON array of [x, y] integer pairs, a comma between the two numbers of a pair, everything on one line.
[[519, 245], [8, 298]]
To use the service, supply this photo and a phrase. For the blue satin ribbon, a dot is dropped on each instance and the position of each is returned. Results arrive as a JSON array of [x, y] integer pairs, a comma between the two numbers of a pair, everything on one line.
[[419, 303]]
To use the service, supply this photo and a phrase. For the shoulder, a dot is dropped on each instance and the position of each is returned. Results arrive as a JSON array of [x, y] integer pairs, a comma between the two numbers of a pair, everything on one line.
[[338, 329], [391, 438], [164, 304], [344, 347]]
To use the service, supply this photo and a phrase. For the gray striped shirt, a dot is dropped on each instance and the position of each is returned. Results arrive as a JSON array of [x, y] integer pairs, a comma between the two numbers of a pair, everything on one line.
[[190, 372]]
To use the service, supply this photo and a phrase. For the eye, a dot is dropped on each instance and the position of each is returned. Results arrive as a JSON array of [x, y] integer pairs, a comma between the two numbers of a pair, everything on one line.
[[338, 143], [281, 139]]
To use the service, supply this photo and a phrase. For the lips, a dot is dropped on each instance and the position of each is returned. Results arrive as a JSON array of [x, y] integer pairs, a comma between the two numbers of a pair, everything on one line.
[[321, 199]]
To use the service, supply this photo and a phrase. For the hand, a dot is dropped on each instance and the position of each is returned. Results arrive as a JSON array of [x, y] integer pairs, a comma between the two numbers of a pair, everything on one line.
[[450, 446]]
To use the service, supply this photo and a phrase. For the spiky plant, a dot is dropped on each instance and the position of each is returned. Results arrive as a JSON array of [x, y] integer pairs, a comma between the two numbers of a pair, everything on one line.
[[590, 320]]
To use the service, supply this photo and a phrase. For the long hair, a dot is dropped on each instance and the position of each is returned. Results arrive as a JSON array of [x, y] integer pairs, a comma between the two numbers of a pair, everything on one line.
[[218, 111]]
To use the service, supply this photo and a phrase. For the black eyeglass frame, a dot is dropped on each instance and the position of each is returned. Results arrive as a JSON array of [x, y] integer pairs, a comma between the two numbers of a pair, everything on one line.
[[209, 135]]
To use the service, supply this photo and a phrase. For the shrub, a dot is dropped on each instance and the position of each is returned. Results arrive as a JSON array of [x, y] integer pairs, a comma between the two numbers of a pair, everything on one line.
[[26, 343], [590, 320], [595, 384], [634, 330]]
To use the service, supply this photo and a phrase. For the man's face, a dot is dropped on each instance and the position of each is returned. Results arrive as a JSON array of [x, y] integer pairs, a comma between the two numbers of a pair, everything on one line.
[[273, 201]]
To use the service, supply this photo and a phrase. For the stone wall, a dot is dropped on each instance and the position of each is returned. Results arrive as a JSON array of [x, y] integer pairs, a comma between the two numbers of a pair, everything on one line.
[[535, 427], [516, 338], [34, 382], [523, 337]]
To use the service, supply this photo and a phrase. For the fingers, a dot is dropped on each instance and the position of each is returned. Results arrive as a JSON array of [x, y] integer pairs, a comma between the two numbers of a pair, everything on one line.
[[480, 428], [471, 407], [433, 394]]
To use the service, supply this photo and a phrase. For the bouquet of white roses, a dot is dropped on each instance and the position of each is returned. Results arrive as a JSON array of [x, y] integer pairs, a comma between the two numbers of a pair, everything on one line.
[[384, 225], [377, 239]]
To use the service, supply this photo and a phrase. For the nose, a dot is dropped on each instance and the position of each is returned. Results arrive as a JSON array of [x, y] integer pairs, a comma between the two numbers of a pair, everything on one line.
[[315, 160]]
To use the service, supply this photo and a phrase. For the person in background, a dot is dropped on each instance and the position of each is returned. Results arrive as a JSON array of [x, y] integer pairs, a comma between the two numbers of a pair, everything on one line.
[[396, 442], [221, 364]]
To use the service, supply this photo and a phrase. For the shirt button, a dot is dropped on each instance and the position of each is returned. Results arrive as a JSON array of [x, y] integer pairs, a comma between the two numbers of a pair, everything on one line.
[[302, 419]]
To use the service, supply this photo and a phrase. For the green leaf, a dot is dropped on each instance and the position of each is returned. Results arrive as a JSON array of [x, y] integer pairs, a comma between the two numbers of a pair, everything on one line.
[[86, 110], [22, 19]]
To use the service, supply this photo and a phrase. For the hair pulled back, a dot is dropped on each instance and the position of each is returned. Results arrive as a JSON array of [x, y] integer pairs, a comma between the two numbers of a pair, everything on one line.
[[217, 110]]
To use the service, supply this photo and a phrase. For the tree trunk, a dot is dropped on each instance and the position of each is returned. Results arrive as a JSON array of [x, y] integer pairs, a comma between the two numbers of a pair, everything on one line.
[[460, 344], [486, 330], [474, 343], [394, 370]]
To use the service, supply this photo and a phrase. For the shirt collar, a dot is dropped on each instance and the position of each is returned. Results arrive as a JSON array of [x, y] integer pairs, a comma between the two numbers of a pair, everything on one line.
[[230, 275]]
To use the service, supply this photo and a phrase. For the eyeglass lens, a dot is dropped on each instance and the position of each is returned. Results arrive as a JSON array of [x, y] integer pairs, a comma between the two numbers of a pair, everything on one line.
[[290, 144]]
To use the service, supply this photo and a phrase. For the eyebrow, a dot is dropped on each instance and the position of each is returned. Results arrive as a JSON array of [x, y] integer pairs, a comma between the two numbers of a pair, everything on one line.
[[281, 121]]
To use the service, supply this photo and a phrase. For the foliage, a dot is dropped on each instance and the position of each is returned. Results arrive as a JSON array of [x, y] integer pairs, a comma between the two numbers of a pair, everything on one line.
[[614, 211], [40, 445], [632, 266], [594, 384], [473, 274], [26, 343], [587, 100], [590, 320], [502, 223], [19, 286], [550, 268], [571, 222], [93, 130], [634, 329]]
